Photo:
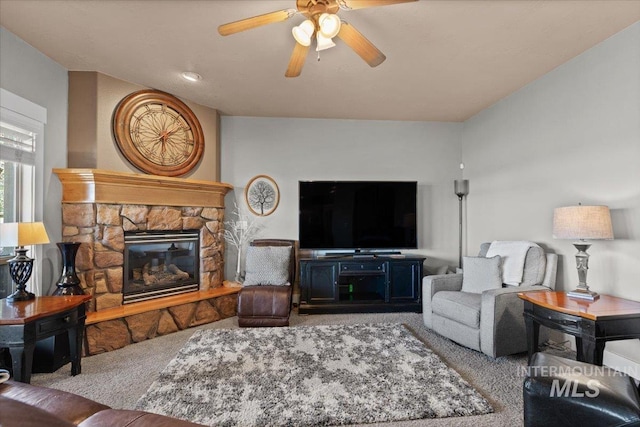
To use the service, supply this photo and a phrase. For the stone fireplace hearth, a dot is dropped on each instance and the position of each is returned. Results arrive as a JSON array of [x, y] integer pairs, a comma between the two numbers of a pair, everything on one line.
[[98, 207], [159, 264]]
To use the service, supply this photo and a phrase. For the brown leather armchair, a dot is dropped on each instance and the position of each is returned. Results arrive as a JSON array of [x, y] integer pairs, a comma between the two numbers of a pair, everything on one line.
[[268, 305]]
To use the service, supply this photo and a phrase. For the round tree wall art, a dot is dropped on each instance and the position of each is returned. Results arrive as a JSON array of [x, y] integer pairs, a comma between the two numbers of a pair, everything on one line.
[[262, 195]]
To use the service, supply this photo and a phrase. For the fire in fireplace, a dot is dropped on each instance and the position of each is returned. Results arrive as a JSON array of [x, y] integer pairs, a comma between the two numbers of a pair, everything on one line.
[[160, 263]]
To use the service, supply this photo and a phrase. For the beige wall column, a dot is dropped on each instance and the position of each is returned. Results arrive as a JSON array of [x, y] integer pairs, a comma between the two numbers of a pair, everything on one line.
[[93, 98]]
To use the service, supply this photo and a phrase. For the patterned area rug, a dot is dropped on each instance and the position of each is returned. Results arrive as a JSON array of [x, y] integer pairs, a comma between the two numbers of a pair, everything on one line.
[[309, 376]]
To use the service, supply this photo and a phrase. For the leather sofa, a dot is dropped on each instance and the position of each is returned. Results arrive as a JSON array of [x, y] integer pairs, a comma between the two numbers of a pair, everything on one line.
[[26, 405], [563, 392]]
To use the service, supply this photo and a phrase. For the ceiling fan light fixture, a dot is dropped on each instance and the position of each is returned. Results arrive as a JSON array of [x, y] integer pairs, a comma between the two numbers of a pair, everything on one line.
[[323, 42], [303, 32], [329, 24]]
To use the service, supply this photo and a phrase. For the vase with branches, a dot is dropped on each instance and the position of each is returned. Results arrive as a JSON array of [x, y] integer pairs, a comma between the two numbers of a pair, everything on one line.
[[238, 232]]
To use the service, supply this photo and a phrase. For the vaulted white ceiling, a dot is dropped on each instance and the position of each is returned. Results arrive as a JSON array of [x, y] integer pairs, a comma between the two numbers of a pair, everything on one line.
[[446, 60]]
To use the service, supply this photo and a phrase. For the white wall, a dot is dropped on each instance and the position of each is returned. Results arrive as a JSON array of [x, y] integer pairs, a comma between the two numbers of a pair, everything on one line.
[[292, 150], [28, 73], [571, 136]]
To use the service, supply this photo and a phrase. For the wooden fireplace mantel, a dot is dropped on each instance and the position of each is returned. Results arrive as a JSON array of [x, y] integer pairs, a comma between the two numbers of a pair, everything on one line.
[[102, 186]]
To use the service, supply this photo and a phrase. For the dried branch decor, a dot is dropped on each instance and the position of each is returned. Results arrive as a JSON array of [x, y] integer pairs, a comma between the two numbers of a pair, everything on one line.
[[238, 232]]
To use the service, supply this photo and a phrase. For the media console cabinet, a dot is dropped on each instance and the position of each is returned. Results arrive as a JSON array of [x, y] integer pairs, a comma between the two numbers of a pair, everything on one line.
[[360, 285]]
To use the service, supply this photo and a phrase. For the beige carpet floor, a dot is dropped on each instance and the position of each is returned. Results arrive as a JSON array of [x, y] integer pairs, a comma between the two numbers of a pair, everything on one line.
[[119, 378]]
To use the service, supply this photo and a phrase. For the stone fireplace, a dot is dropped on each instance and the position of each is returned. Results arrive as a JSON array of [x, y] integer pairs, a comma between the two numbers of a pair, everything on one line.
[[100, 207], [159, 264]]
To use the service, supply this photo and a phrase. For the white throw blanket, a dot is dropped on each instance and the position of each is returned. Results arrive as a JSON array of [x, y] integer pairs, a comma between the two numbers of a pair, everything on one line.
[[513, 254]]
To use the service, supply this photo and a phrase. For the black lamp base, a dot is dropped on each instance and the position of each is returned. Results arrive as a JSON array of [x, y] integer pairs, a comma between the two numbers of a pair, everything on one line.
[[21, 295], [20, 269]]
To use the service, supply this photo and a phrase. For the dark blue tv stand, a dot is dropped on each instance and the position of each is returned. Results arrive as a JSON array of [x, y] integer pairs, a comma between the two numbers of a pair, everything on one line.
[[348, 284]]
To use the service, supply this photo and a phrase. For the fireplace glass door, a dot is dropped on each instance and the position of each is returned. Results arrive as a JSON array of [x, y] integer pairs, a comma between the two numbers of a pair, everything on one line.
[[158, 264]]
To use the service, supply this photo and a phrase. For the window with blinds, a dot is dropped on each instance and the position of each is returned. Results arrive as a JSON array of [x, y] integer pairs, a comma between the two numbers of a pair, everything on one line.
[[18, 144], [17, 167], [20, 135]]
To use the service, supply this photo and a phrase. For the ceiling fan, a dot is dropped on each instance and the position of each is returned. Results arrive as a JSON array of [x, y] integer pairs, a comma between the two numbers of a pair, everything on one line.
[[323, 24]]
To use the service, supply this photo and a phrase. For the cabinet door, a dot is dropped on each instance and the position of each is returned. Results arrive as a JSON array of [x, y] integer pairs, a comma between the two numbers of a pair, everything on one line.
[[404, 278], [321, 282]]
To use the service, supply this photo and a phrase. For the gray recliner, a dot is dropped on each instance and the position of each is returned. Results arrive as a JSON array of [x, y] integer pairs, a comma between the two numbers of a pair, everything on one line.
[[492, 321]]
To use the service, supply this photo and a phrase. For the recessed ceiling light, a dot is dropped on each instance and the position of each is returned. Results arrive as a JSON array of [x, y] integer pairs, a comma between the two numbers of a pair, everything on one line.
[[191, 76]]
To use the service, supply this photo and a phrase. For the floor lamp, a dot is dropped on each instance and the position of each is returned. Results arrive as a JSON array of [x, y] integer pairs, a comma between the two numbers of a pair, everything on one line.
[[461, 188]]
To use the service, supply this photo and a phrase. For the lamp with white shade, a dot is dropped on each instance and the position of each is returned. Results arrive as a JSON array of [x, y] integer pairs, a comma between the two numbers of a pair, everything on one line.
[[19, 235], [582, 223]]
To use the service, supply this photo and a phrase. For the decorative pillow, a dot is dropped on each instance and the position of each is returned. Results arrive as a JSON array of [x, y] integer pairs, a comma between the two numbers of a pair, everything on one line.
[[480, 274], [267, 265]]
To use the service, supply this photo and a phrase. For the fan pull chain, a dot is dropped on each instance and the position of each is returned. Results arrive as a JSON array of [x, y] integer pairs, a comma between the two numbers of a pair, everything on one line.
[[318, 56]]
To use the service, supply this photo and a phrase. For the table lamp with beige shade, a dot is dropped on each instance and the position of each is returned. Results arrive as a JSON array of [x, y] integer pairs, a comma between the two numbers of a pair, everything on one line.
[[19, 235], [582, 223]]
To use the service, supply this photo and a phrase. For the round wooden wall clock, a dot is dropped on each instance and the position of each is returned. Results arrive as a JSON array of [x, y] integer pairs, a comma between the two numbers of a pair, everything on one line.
[[158, 133]]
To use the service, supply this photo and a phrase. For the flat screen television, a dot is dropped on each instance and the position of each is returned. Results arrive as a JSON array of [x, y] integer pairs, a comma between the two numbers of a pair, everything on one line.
[[357, 215]]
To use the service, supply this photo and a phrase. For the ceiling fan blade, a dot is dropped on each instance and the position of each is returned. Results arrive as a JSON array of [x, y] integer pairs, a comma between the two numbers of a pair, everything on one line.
[[359, 43], [361, 4], [256, 21], [296, 62]]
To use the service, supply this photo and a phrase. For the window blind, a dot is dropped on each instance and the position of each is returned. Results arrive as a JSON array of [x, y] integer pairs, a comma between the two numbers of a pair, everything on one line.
[[17, 144]]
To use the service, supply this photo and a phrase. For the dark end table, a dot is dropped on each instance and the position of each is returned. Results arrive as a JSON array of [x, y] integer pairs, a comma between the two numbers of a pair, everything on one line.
[[22, 323], [592, 323]]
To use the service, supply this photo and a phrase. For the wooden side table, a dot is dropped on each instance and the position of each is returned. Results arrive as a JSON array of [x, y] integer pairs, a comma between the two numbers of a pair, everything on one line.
[[592, 323], [22, 323]]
